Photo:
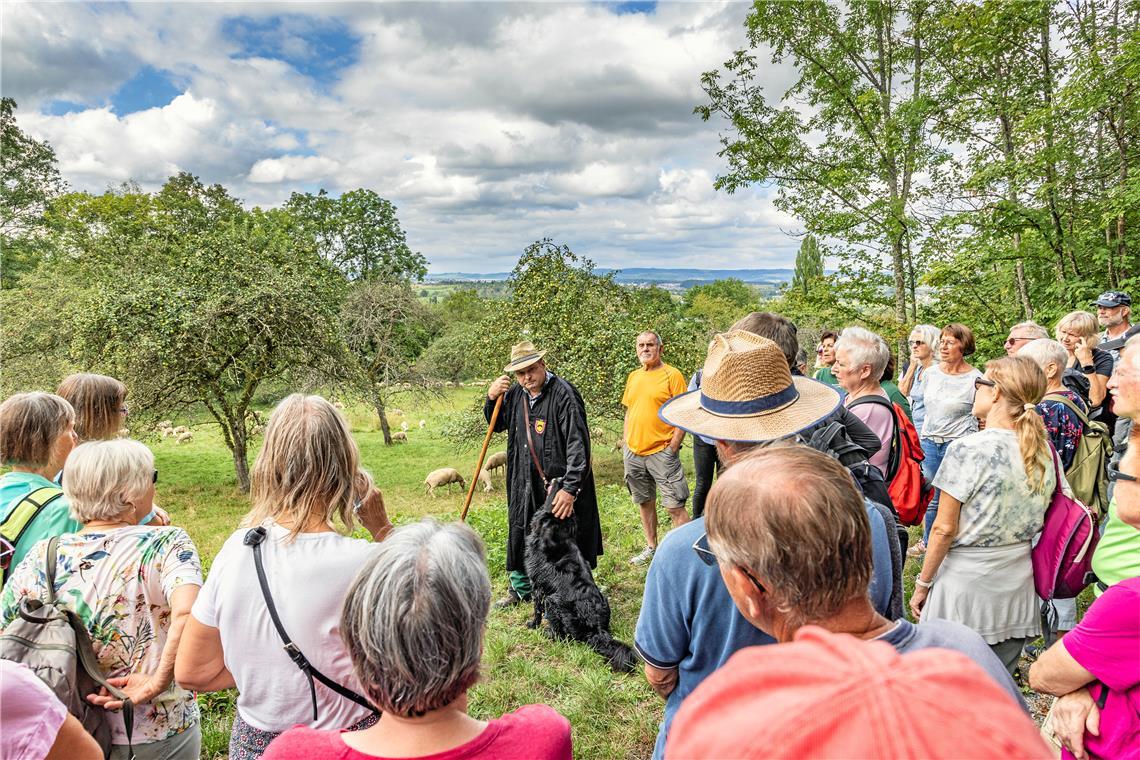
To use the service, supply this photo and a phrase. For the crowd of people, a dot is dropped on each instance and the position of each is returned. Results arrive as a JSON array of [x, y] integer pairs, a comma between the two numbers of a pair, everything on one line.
[[774, 619]]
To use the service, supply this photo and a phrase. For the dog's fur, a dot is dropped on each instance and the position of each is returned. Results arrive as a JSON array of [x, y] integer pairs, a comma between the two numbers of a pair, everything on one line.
[[564, 589]]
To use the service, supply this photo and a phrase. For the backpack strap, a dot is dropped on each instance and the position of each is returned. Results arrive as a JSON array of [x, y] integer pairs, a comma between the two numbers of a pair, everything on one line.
[[895, 453], [85, 653], [31, 505], [1070, 406], [254, 538]]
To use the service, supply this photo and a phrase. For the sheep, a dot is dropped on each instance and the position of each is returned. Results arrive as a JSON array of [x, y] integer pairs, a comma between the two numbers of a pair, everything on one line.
[[165, 424], [181, 429], [445, 476], [400, 435], [185, 437], [423, 424], [404, 426], [496, 460], [485, 479], [167, 432]]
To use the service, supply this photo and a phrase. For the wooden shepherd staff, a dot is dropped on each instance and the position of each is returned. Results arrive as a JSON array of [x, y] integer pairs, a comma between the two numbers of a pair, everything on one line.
[[482, 456]]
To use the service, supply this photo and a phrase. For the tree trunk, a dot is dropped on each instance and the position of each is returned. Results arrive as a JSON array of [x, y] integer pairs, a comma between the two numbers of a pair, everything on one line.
[[385, 428], [1022, 289], [241, 463]]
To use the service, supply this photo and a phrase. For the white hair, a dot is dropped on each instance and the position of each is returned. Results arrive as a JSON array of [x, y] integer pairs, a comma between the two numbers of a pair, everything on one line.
[[865, 347], [1045, 351], [102, 479], [929, 334], [413, 619], [1035, 330]]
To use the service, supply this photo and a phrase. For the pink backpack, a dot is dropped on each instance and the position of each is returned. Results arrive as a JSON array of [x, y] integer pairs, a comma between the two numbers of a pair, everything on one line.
[[1062, 556]]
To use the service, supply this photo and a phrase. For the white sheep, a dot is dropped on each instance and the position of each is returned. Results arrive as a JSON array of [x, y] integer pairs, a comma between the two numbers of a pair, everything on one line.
[[400, 435], [485, 479], [185, 437], [404, 426], [496, 460], [423, 424], [168, 432], [181, 429], [443, 477]]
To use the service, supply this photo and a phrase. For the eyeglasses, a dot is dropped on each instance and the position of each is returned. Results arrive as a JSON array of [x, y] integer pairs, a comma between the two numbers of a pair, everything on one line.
[[1012, 340], [155, 480], [1115, 475], [701, 547], [983, 381], [917, 342]]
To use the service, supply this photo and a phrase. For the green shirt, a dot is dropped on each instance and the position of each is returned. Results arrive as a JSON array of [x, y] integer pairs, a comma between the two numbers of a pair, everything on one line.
[[53, 520], [896, 396], [823, 374], [1117, 556]]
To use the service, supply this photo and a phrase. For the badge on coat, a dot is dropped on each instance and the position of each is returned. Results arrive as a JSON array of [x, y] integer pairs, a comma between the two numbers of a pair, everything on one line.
[[539, 426]]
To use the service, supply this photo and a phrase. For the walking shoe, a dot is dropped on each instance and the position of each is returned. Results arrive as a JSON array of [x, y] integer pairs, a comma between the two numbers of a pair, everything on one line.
[[644, 557], [510, 600], [917, 550]]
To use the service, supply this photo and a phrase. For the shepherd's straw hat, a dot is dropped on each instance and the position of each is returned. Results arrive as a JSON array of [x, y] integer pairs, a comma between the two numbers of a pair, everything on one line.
[[748, 394], [522, 356]]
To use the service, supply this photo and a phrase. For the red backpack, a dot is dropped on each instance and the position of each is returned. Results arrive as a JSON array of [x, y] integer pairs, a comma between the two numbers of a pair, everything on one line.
[[909, 491]]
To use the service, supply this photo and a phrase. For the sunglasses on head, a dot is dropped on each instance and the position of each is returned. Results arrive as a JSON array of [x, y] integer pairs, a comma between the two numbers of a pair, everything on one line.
[[701, 547]]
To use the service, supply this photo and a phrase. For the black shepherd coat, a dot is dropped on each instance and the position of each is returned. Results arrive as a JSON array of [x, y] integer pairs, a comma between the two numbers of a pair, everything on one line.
[[562, 443]]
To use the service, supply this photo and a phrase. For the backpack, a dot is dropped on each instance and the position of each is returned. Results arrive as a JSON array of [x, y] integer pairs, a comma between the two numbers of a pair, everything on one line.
[[22, 515], [1062, 556], [1077, 383], [832, 439], [910, 493], [54, 644], [1088, 473]]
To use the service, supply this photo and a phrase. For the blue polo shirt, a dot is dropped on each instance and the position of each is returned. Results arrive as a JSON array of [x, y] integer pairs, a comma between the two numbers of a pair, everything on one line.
[[688, 620], [53, 520]]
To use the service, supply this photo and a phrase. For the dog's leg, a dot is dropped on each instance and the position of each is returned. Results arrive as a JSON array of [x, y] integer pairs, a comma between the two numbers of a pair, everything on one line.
[[536, 621]]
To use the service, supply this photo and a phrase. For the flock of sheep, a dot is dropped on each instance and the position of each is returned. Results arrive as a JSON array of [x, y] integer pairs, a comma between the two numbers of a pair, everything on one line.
[[448, 475], [180, 434]]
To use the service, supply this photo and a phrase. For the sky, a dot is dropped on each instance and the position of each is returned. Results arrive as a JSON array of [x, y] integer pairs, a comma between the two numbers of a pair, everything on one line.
[[489, 125]]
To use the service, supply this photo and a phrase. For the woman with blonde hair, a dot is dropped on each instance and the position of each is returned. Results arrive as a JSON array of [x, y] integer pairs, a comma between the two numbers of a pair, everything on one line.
[[996, 485], [923, 342], [1078, 332], [306, 483], [100, 404]]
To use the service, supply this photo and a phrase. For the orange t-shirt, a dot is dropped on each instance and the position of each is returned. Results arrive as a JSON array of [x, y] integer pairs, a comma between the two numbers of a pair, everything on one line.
[[645, 392]]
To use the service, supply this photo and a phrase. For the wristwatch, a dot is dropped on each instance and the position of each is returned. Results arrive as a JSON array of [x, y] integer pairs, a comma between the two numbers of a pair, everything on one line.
[[1088, 369]]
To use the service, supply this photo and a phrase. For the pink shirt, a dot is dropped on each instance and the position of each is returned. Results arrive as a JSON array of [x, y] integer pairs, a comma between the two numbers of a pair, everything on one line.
[[29, 712], [533, 732], [1107, 644], [882, 424]]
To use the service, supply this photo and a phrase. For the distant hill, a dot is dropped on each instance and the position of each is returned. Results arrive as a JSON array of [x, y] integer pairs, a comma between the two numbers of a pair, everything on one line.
[[645, 276]]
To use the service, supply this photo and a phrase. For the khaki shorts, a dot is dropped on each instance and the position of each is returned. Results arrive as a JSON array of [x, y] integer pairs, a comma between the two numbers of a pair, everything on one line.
[[645, 476]]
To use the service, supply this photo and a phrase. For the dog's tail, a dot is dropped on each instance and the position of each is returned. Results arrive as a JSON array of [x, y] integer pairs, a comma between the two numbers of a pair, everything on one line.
[[621, 657]]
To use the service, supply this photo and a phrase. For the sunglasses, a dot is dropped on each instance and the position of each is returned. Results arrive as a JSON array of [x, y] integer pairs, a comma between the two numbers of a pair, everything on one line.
[[983, 381], [1012, 341], [701, 547], [155, 480], [917, 342], [1115, 475]]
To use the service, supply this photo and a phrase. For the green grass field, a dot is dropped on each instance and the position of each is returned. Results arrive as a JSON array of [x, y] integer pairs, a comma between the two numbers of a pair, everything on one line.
[[612, 715]]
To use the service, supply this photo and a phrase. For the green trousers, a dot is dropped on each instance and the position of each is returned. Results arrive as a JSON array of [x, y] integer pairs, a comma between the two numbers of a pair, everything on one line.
[[520, 583]]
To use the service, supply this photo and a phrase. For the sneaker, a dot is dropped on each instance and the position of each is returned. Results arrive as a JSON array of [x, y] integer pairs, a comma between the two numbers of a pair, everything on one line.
[[917, 550], [644, 557], [510, 600]]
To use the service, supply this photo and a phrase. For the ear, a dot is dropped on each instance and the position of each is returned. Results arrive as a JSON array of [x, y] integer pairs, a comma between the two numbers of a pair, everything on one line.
[[742, 591]]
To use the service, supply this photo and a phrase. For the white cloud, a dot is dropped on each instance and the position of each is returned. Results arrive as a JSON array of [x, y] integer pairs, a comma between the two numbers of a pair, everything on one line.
[[489, 125]]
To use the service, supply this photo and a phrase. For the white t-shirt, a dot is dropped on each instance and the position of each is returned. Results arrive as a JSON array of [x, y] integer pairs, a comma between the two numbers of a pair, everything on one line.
[[308, 579], [949, 401]]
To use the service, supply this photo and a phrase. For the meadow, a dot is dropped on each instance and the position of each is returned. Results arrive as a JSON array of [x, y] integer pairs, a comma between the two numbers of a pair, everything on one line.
[[613, 715]]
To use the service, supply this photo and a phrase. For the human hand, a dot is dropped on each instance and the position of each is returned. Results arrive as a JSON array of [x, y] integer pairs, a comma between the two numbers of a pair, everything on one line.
[[139, 688], [918, 601], [374, 515], [1084, 349], [563, 504], [161, 516], [499, 387], [1073, 715]]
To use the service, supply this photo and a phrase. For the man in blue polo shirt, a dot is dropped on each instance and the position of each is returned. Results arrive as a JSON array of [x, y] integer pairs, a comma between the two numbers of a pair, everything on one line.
[[689, 626]]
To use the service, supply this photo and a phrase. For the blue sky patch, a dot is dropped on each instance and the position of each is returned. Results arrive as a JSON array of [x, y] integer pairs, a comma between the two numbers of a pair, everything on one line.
[[318, 48], [634, 6], [62, 107], [149, 88]]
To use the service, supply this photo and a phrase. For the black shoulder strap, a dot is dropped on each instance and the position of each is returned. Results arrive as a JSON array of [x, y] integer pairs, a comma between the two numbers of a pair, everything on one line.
[[84, 651], [253, 538], [530, 440], [1118, 343], [896, 435]]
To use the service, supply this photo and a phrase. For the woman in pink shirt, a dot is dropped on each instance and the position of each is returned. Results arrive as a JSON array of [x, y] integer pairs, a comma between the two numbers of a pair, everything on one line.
[[413, 624], [860, 358]]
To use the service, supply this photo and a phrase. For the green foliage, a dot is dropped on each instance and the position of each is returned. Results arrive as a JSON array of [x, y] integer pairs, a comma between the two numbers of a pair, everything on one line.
[[359, 232], [809, 265], [720, 303]]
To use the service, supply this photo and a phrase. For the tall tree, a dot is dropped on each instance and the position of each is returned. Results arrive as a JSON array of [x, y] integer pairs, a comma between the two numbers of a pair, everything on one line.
[[847, 145], [809, 265]]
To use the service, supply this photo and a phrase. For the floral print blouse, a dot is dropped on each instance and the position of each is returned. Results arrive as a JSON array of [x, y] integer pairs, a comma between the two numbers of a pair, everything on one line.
[[1064, 427], [119, 584]]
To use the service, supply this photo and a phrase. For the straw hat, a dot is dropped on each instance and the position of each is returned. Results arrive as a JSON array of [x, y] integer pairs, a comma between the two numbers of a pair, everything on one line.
[[522, 356], [748, 394]]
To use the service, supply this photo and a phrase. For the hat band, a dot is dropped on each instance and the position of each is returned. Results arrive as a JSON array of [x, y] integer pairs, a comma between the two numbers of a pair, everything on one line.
[[752, 405], [526, 358]]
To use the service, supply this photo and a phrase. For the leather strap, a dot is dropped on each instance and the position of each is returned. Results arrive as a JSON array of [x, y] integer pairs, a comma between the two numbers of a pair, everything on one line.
[[253, 538], [530, 441]]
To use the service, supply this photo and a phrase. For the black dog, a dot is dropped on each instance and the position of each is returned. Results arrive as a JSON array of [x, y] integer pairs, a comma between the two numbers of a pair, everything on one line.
[[564, 589]]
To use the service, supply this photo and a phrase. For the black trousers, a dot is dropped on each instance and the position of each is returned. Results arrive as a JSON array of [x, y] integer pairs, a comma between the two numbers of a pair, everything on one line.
[[707, 465]]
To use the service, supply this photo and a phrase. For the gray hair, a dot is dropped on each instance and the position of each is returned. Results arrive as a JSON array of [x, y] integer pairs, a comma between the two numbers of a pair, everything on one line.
[[1035, 330], [1045, 351], [654, 333], [865, 347], [30, 425], [102, 479], [413, 619], [930, 335]]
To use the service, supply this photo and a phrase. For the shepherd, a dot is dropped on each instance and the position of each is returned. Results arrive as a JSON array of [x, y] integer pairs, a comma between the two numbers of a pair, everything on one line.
[[547, 438]]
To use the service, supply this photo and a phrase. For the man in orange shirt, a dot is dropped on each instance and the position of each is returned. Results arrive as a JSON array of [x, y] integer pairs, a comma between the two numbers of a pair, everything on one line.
[[652, 447]]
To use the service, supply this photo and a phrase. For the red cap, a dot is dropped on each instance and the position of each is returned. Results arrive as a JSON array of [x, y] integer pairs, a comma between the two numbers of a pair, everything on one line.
[[828, 695]]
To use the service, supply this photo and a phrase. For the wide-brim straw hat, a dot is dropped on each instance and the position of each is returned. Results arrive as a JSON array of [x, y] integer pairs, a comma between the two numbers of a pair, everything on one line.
[[522, 356], [749, 395]]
